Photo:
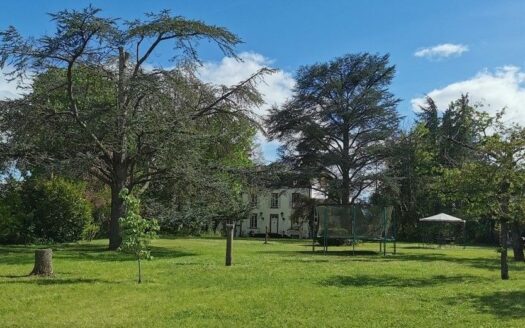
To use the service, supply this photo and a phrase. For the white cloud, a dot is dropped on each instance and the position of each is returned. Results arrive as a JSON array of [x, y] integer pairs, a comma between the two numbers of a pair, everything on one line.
[[275, 89], [442, 51], [502, 88]]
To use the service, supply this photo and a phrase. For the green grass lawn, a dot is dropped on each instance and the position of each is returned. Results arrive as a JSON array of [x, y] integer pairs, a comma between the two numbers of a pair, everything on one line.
[[281, 284]]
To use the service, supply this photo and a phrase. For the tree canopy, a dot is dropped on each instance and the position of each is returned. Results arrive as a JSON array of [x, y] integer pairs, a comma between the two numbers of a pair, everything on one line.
[[336, 126], [97, 106]]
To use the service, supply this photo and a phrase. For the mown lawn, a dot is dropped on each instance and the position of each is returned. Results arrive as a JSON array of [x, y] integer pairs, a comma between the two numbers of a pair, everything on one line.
[[281, 284]]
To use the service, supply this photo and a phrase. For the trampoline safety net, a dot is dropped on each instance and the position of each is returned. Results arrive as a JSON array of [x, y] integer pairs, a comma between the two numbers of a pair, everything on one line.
[[356, 222]]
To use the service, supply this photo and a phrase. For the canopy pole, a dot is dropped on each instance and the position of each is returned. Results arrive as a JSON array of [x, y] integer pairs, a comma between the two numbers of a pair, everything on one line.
[[353, 230], [325, 230], [394, 231], [313, 231], [464, 234], [384, 231]]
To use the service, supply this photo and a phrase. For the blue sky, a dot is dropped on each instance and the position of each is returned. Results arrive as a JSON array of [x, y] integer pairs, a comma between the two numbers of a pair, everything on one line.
[[288, 34]]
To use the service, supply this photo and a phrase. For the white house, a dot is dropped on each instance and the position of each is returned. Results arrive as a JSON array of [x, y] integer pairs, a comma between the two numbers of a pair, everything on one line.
[[272, 210]]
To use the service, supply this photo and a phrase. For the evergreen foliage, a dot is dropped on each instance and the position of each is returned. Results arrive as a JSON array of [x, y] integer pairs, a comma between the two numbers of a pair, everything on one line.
[[335, 128]]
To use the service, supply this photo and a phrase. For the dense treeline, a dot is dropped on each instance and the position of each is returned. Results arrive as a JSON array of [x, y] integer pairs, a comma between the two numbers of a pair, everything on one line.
[[420, 158], [432, 159]]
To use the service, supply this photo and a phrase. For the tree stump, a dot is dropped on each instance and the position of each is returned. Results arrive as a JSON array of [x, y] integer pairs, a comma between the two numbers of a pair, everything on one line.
[[43, 262]]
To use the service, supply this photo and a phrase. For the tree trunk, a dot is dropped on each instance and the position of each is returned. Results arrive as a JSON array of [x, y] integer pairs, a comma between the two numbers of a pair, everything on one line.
[[345, 191], [43, 262], [517, 242], [117, 211], [503, 258], [345, 188], [345, 169]]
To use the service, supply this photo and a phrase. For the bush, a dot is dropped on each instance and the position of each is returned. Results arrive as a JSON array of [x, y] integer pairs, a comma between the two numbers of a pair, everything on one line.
[[99, 198], [56, 210], [335, 241], [12, 223], [38, 210], [332, 241], [91, 230]]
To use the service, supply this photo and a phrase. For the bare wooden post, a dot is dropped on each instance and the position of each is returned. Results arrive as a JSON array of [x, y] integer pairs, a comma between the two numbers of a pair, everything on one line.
[[43, 262], [140, 272], [229, 241], [266, 236]]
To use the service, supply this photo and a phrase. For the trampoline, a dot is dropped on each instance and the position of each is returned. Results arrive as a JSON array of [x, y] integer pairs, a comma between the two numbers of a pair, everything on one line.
[[355, 223]]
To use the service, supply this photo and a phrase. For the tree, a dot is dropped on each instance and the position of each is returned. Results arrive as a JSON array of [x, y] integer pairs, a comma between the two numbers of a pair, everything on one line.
[[420, 155], [211, 187], [494, 184], [304, 212], [137, 232], [429, 118], [461, 123], [104, 110], [411, 169], [335, 126]]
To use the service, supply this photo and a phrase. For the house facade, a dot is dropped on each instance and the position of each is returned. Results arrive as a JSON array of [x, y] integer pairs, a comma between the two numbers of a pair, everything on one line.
[[272, 210]]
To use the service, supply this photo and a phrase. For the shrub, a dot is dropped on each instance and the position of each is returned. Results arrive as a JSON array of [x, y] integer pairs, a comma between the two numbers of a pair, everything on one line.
[[12, 220], [332, 241], [56, 210], [99, 198], [90, 231], [340, 239]]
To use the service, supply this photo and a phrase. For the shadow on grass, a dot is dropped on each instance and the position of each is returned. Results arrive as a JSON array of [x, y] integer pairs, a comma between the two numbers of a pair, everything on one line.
[[52, 280], [397, 281], [329, 253], [112, 256], [486, 263], [24, 255], [503, 304], [422, 247], [12, 276]]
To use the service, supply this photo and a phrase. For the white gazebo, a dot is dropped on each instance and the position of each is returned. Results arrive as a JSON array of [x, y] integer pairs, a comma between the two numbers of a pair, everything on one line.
[[445, 218], [442, 217]]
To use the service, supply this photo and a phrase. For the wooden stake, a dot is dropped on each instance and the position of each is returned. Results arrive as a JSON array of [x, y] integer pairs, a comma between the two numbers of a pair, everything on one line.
[[229, 241]]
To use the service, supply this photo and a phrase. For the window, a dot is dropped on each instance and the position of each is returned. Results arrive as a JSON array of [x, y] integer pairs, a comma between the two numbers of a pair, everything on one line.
[[296, 199], [253, 200], [274, 200], [253, 221]]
